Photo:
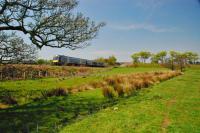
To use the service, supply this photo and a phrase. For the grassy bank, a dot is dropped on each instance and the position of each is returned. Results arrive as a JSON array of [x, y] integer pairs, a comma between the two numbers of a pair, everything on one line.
[[172, 106], [49, 115], [25, 90]]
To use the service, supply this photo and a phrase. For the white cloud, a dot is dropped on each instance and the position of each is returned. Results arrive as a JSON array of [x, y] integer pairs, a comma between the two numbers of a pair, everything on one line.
[[143, 26]]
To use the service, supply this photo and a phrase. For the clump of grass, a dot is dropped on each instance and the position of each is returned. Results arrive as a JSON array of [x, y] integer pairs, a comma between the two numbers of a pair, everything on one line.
[[109, 92], [55, 92], [9, 99], [138, 84], [85, 87], [98, 84], [127, 84], [3, 106], [119, 88], [129, 89]]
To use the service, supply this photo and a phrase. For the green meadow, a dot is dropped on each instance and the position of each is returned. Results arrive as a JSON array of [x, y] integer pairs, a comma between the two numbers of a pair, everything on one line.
[[24, 90], [170, 106]]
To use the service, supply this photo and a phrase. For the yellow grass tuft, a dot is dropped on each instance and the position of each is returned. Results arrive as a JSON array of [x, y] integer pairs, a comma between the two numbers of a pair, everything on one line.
[[109, 92]]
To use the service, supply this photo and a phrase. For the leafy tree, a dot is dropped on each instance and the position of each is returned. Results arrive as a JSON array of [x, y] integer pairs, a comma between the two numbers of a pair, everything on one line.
[[161, 56], [112, 60], [180, 59], [173, 56], [14, 50], [101, 59], [144, 55], [155, 58], [191, 57], [48, 22], [136, 58]]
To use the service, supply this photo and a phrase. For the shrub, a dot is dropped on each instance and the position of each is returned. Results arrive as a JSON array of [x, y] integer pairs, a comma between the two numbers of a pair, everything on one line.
[[109, 92]]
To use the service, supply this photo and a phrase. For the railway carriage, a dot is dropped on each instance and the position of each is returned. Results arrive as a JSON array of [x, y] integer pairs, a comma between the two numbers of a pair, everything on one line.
[[67, 60]]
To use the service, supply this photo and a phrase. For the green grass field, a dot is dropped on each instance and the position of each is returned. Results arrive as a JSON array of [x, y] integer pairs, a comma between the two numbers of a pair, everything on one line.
[[171, 106], [24, 90]]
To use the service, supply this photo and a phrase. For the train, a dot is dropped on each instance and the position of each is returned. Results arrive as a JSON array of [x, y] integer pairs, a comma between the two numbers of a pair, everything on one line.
[[67, 60]]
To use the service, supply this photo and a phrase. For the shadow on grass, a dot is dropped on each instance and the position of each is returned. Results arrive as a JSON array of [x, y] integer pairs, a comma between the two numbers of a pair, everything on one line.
[[51, 114]]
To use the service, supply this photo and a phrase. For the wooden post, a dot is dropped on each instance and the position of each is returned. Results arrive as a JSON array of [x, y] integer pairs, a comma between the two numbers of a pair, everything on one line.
[[24, 75], [39, 74]]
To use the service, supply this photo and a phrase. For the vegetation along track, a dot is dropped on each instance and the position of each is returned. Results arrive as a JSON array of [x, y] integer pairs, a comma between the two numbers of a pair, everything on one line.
[[52, 113]]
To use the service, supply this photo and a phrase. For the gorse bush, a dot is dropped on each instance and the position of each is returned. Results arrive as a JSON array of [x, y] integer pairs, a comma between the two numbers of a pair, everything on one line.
[[128, 84]]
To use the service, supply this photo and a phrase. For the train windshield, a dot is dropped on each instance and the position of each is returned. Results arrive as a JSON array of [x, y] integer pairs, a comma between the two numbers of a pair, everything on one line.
[[56, 58]]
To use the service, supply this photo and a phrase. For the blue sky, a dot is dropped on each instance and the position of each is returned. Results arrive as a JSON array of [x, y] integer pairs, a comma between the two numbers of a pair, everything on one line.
[[135, 25]]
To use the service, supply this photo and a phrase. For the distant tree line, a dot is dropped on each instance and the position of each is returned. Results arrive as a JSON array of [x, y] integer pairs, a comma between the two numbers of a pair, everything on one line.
[[111, 60], [171, 58]]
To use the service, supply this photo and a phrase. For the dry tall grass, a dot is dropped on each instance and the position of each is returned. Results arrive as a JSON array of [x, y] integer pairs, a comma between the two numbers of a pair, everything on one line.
[[125, 84], [128, 84]]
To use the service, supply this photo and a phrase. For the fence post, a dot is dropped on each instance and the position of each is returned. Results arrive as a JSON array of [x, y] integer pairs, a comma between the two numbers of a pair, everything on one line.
[[1, 76]]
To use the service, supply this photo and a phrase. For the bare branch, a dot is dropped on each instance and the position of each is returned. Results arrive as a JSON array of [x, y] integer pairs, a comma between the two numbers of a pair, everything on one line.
[[48, 22]]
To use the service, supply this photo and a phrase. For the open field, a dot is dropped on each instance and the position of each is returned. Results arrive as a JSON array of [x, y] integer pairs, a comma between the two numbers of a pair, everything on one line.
[[24, 90], [171, 106]]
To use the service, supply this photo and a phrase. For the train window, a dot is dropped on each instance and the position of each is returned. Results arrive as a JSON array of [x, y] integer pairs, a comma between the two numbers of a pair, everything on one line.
[[56, 58]]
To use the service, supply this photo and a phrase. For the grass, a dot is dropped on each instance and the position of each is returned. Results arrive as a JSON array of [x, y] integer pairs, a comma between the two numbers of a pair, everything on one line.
[[171, 106], [25, 90], [127, 84]]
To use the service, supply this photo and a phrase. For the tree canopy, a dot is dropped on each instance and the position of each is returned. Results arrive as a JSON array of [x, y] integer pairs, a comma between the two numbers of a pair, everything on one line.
[[14, 50], [111, 60], [48, 22]]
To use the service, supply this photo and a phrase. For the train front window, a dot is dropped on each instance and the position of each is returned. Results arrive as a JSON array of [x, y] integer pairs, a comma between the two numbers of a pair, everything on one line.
[[56, 59]]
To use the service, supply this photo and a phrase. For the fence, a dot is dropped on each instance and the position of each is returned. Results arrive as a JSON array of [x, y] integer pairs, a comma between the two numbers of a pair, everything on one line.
[[17, 72]]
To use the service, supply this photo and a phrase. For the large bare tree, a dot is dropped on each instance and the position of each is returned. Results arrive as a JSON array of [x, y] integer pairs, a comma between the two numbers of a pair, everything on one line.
[[48, 22]]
